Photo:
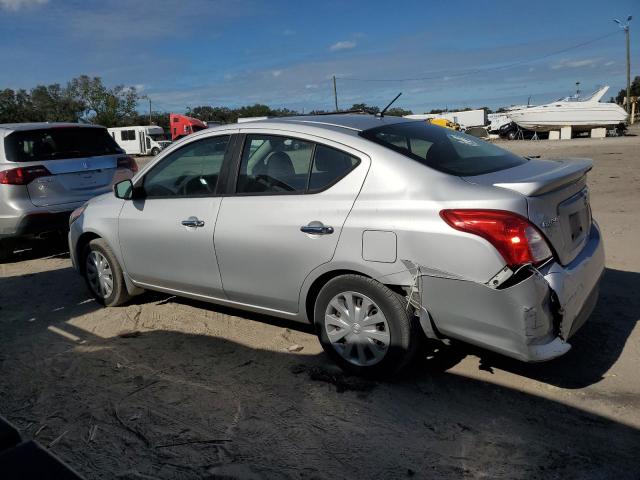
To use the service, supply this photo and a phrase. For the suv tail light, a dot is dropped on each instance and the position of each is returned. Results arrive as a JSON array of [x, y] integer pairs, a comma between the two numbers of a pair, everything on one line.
[[23, 175], [517, 240], [128, 162]]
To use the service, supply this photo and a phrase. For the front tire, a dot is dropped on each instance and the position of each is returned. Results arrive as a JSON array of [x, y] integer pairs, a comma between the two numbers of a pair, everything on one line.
[[155, 151], [365, 327], [103, 274]]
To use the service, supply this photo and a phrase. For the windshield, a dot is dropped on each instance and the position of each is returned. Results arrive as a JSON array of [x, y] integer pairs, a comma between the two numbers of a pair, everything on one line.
[[158, 137], [58, 143], [443, 149]]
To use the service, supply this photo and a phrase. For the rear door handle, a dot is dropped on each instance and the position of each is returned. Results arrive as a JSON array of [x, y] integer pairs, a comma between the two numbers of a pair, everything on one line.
[[193, 222], [316, 229]]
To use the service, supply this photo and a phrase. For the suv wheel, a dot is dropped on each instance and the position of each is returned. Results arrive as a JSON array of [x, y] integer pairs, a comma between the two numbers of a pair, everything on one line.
[[365, 327], [103, 274]]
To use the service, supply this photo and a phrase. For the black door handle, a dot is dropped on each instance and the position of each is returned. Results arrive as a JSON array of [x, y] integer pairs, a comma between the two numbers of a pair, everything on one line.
[[192, 222], [317, 229]]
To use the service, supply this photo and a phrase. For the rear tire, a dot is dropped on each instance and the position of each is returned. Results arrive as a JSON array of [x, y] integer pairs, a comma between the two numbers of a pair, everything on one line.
[[103, 274], [365, 327]]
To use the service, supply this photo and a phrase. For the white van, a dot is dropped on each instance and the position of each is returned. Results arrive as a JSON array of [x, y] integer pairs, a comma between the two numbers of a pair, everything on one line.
[[140, 140]]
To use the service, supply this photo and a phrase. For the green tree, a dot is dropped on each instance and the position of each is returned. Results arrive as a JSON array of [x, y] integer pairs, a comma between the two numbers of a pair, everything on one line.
[[54, 104], [365, 108], [104, 106], [398, 112], [635, 91]]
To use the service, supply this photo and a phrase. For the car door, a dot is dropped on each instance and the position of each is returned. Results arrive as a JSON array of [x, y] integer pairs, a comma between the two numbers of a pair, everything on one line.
[[292, 197], [166, 235]]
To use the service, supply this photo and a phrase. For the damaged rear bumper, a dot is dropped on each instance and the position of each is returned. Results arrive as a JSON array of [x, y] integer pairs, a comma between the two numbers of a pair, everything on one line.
[[531, 320]]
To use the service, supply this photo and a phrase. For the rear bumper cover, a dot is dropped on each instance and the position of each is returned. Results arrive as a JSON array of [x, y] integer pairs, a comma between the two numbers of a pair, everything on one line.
[[34, 223], [531, 320]]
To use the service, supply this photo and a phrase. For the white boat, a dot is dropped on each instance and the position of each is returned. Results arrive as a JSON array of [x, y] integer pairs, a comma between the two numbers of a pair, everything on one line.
[[580, 113]]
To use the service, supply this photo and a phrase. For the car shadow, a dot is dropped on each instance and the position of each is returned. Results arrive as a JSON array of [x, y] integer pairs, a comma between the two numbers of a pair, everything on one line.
[[595, 347], [34, 248], [167, 404]]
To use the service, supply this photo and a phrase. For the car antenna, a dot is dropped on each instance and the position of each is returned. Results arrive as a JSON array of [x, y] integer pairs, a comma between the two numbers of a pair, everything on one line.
[[381, 114]]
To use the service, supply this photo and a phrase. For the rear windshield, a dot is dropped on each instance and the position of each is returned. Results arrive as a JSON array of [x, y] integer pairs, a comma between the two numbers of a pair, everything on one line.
[[58, 143], [443, 149]]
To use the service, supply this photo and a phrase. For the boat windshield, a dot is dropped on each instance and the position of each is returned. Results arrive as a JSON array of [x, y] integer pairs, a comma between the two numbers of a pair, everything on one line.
[[595, 96]]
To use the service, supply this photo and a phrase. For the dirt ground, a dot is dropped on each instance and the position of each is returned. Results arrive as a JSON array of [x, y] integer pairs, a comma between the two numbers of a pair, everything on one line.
[[173, 388]]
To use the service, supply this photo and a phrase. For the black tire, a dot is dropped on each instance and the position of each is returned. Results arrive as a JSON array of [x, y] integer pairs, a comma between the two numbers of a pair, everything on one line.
[[155, 151], [404, 331], [118, 294]]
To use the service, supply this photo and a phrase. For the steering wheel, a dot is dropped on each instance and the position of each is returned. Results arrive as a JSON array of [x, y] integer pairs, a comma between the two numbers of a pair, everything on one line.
[[184, 186]]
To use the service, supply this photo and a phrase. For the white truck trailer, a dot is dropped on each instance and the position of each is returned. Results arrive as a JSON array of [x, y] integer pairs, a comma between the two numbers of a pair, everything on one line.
[[140, 139], [464, 118]]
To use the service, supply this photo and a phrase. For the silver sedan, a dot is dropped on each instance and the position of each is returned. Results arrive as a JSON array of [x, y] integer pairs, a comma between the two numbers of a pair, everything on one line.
[[381, 231]]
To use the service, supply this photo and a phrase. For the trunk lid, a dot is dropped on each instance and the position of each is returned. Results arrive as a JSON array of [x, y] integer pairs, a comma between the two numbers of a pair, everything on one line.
[[557, 199], [75, 180]]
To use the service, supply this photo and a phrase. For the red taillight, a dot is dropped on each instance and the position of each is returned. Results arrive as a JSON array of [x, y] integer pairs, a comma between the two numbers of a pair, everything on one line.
[[127, 162], [22, 175], [517, 240]]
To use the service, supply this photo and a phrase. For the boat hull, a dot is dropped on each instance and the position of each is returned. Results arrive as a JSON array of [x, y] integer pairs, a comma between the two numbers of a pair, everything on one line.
[[579, 117]]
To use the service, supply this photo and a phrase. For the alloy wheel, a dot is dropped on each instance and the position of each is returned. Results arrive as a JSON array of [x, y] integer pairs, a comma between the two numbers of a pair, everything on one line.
[[99, 274]]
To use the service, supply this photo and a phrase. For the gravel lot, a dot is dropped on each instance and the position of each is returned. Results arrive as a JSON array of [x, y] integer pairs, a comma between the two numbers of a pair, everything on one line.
[[173, 388]]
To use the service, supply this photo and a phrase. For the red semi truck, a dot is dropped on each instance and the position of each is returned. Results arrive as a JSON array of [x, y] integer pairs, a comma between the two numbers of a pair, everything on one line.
[[181, 125]]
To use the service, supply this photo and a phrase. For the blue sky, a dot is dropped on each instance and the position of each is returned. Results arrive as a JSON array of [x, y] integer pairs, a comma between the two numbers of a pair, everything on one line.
[[283, 53]]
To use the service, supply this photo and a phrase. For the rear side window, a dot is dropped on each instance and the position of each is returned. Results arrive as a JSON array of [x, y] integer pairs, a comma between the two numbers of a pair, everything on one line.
[[329, 166], [443, 149], [274, 164], [58, 143], [277, 164]]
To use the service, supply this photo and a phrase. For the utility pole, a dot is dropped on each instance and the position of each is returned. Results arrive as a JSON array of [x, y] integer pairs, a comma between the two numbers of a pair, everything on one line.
[[625, 27], [335, 92], [146, 97]]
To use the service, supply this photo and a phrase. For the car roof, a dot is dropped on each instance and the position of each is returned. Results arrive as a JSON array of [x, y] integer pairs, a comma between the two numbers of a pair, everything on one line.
[[7, 128], [354, 122]]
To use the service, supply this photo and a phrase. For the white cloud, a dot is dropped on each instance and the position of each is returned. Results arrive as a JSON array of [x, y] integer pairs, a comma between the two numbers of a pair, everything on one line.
[[587, 62], [288, 32], [344, 45], [276, 73], [15, 5], [608, 64]]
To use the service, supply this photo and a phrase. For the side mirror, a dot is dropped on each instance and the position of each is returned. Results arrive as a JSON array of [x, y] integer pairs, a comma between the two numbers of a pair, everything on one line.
[[123, 189]]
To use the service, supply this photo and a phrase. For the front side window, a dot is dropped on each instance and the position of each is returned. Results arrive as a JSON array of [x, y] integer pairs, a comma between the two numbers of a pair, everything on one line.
[[274, 164], [191, 171], [443, 149]]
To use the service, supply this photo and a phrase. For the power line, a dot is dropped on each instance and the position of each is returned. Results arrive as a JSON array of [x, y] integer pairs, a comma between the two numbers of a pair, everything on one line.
[[435, 75]]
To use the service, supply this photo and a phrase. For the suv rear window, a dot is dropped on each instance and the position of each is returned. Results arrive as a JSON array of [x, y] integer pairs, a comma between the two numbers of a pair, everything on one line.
[[58, 143], [443, 149]]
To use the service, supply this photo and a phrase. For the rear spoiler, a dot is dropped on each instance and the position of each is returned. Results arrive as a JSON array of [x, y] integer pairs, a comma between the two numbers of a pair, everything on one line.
[[548, 179]]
